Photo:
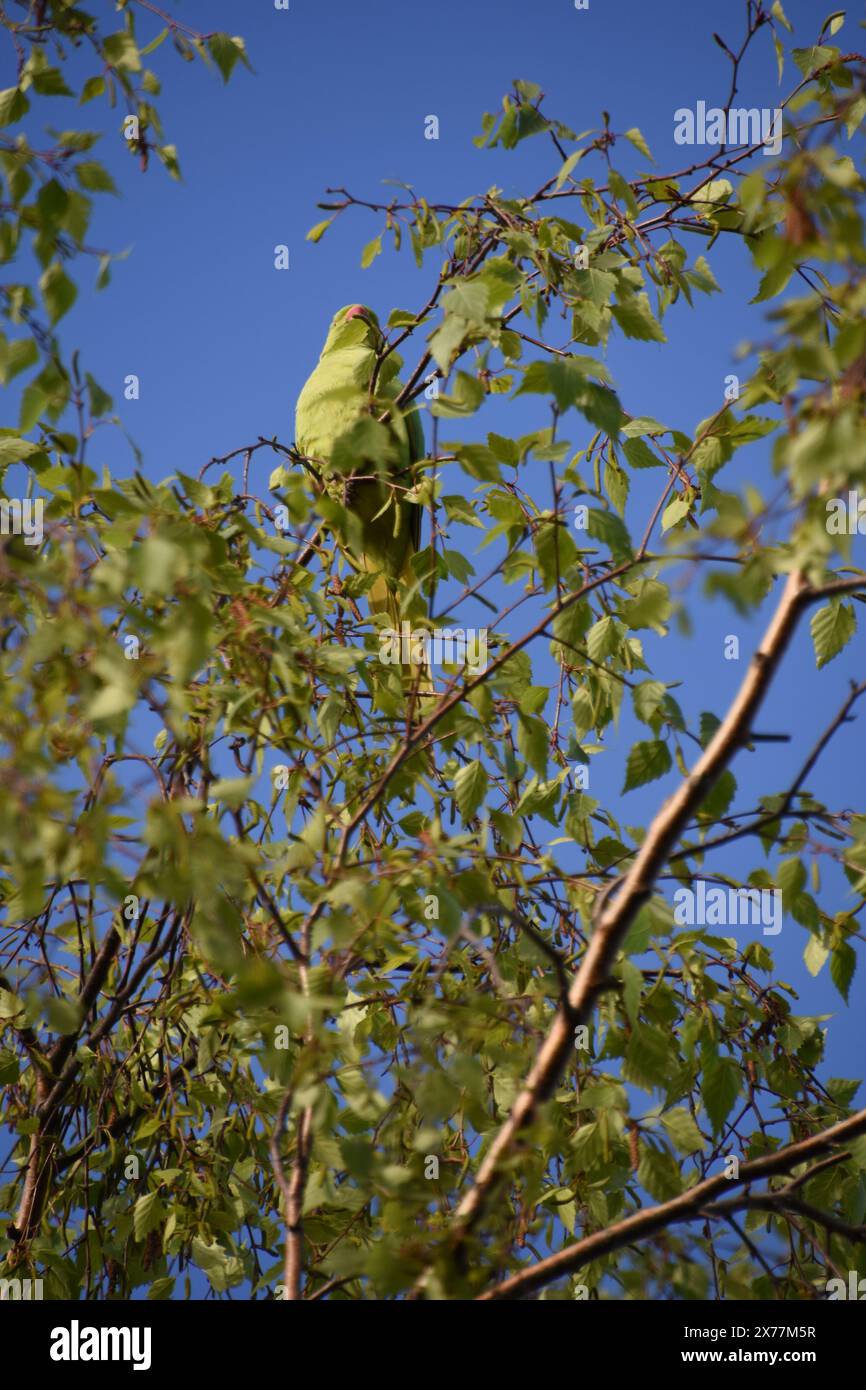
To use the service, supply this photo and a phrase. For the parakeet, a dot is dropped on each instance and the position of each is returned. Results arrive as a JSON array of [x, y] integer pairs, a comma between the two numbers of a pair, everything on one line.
[[336, 401]]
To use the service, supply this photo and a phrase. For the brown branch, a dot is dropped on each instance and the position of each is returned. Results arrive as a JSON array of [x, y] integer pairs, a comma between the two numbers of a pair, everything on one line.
[[780, 1203], [280, 1175], [174, 25], [418, 734], [39, 1168], [843, 717], [295, 1206], [294, 1188], [612, 920], [686, 1207], [65, 1063]]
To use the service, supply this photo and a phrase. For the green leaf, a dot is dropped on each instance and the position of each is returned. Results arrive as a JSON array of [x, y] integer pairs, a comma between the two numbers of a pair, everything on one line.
[[646, 761], [567, 168], [643, 424], [33, 403], [720, 1088], [49, 82], [791, 877], [647, 699], [582, 711], [609, 528], [632, 981], [460, 509], [569, 627], [58, 291], [605, 638], [717, 801], [466, 396], [161, 1289], [468, 299], [683, 1131], [371, 251], [221, 1269], [832, 628], [470, 788], [13, 105], [316, 233], [712, 196], [779, 13], [833, 23], [100, 401], [10, 1004], [92, 176], [815, 955], [843, 963], [675, 512], [649, 1057], [115, 697], [639, 142], [448, 339], [659, 1173], [477, 460], [702, 277], [640, 455], [636, 319], [567, 381], [155, 43], [93, 87], [854, 115], [15, 450], [616, 484], [651, 606], [121, 51], [17, 357], [622, 191], [167, 155], [231, 791], [403, 318], [773, 282], [147, 1214], [533, 742], [63, 1015], [225, 53]]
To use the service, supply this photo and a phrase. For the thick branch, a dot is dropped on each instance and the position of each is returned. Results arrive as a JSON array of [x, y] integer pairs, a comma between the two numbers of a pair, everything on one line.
[[614, 918], [686, 1207]]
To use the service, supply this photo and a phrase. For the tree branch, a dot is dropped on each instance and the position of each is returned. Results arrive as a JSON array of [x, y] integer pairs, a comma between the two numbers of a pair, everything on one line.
[[612, 920], [686, 1207]]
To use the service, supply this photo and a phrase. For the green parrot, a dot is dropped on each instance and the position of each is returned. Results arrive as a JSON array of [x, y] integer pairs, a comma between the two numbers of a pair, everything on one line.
[[334, 402]]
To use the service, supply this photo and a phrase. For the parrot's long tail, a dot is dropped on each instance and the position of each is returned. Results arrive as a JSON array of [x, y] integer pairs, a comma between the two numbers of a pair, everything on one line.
[[417, 677]]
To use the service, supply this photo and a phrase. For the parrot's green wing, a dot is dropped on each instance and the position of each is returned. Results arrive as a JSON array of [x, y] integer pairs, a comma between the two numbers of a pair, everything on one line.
[[334, 400]]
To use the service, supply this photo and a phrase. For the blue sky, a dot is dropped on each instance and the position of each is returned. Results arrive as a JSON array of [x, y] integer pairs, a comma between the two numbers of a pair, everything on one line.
[[222, 342]]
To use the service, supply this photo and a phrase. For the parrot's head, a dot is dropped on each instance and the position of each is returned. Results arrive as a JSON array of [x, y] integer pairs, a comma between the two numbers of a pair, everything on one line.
[[353, 326]]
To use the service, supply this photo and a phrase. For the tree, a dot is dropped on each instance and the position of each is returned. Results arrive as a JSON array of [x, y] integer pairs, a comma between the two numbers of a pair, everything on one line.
[[326, 987]]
